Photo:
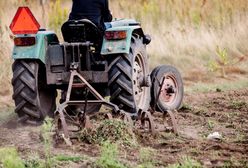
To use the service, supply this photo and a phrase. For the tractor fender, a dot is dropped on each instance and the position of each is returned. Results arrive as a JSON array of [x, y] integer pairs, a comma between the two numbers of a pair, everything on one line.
[[38, 50], [120, 46]]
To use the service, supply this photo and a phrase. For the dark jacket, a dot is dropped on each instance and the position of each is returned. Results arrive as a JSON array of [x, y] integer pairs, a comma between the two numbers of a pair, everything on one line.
[[96, 11]]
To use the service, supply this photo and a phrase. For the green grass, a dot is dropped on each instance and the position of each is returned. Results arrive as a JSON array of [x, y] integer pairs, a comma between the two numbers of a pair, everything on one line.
[[146, 159], [211, 87], [186, 162], [109, 156], [66, 158], [210, 124], [6, 114], [46, 132], [9, 158], [109, 130], [238, 104]]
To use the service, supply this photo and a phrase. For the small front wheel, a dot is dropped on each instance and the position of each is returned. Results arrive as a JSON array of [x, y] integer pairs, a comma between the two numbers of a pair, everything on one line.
[[167, 88]]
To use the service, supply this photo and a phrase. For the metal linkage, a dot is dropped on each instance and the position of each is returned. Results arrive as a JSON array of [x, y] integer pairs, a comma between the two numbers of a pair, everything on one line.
[[171, 121], [68, 123], [147, 121]]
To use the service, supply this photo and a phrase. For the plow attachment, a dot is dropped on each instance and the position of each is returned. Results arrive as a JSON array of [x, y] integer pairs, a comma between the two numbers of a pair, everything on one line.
[[69, 121]]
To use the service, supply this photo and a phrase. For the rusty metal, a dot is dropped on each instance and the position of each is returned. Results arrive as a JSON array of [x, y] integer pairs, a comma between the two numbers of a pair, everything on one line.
[[147, 121], [79, 119], [127, 119], [172, 122], [159, 92], [86, 122], [168, 93], [109, 116]]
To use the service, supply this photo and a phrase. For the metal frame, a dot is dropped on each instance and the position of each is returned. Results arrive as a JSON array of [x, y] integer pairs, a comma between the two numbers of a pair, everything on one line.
[[83, 120]]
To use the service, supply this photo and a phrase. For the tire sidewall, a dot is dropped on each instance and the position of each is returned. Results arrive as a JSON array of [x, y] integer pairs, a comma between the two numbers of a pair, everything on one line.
[[138, 48], [166, 70]]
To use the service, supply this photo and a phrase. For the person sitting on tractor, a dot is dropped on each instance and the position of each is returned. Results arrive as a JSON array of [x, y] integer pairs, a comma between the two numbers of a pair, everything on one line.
[[97, 11]]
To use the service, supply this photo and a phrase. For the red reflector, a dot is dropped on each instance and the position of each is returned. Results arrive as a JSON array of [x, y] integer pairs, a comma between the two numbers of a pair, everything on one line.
[[115, 35], [24, 41], [24, 22]]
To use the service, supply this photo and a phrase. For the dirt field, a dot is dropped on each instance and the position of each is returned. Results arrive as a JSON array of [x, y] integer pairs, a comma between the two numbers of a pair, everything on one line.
[[202, 114]]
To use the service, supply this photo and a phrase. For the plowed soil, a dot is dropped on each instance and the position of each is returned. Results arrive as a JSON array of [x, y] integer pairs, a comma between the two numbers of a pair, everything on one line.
[[201, 115]]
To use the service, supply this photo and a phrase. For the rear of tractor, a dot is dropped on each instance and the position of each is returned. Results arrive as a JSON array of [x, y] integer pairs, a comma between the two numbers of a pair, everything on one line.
[[87, 67]]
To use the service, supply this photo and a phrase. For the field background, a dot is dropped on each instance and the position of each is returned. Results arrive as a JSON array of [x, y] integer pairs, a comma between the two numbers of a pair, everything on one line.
[[207, 40]]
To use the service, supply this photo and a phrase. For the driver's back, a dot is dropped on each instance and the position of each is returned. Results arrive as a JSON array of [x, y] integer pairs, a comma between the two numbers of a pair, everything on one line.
[[96, 11]]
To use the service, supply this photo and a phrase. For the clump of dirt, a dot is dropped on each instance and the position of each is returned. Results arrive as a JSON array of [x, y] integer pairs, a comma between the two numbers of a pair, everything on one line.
[[108, 130]]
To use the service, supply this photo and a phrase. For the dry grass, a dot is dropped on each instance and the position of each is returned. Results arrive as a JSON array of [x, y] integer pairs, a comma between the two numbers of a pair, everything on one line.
[[185, 33]]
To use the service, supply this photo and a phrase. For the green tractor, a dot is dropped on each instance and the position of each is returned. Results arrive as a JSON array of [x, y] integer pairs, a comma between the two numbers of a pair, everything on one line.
[[113, 63]]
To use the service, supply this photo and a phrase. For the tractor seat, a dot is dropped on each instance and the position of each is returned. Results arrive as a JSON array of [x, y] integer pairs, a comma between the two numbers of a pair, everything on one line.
[[83, 30]]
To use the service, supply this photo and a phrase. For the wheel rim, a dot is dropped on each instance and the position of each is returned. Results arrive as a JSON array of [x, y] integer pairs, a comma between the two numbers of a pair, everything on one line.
[[139, 73], [169, 90]]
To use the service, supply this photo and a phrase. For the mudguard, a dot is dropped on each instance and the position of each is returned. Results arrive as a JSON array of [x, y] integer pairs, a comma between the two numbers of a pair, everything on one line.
[[37, 51], [121, 46]]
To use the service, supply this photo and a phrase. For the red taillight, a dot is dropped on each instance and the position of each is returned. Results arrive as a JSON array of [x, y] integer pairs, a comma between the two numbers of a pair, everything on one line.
[[24, 41], [115, 35]]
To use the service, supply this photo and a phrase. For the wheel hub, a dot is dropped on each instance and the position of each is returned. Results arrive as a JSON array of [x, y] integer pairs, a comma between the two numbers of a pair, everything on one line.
[[168, 90]]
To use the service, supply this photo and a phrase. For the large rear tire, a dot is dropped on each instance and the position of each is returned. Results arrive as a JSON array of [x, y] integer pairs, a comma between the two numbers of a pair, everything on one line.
[[128, 74], [33, 99]]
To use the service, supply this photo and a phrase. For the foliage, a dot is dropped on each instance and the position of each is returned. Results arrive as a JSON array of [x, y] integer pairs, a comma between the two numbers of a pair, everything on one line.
[[9, 158], [109, 130], [210, 124], [109, 156], [214, 13], [238, 105], [186, 162], [57, 16], [64, 158], [34, 161], [47, 140], [222, 61], [146, 158]]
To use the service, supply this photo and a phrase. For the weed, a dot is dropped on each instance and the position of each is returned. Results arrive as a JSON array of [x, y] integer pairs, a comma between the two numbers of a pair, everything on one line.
[[210, 124], [57, 16], [9, 158], [240, 138], [186, 107], [221, 62], [146, 158], [6, 114], [234, 162], [47, 136], [34, 161], [109, 156], [64, 158], [195, 151], [238, 105], [186, 162], [111, 130]]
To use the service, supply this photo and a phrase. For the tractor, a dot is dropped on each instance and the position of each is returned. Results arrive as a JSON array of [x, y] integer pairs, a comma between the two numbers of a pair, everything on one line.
[[87, 67]]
